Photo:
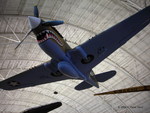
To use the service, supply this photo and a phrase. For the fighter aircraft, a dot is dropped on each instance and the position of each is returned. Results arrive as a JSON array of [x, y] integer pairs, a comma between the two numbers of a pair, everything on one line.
[[76, 63]]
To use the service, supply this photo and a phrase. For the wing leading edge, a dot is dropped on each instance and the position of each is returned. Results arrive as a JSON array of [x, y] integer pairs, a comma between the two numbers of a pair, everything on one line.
[[35, 76], [105, 43]]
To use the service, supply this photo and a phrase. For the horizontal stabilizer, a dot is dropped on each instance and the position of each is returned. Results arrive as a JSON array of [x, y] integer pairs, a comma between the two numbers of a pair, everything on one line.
[[102, 77], [83, 85], [99, 77]]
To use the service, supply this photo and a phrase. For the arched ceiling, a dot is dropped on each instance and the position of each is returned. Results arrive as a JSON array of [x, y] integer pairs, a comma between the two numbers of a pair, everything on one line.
[[83, 19]]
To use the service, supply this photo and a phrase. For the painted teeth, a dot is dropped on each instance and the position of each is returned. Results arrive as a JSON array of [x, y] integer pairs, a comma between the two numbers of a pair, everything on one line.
[[48, 34], [46, 31]]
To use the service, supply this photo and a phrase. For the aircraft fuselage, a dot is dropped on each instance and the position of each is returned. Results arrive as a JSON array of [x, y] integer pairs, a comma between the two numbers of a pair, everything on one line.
[[53, 44]]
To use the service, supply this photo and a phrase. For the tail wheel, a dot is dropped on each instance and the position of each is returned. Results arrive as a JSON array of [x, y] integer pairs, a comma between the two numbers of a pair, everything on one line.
[[88, 60]]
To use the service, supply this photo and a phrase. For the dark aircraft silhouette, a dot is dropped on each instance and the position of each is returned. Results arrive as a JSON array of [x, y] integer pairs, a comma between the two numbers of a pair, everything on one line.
[[76, 63], [44, 109]]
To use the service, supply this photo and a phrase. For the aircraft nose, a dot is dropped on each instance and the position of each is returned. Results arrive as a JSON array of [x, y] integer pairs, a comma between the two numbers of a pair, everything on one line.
[[34, 22]]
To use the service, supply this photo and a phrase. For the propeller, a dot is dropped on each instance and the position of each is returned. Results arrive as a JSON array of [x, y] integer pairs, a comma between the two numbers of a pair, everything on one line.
[[36, 14], [44, 109], [36, 21], [52, 23], [24, 38], [36, 11]]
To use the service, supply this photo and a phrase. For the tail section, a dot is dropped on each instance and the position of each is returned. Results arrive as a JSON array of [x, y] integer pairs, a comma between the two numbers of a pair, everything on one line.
[[92, 81], [102, 77]]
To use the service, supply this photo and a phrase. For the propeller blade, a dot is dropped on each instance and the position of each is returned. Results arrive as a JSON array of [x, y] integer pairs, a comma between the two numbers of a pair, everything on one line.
[[52, 23], [44, 109], [24, 38], [126, 90], [36, 11]]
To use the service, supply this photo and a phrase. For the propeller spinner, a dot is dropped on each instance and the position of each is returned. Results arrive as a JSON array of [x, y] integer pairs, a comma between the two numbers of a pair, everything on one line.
[[34, 22]]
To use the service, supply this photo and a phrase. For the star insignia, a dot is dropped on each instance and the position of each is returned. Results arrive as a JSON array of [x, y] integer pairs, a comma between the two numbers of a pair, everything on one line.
[[14, 83]]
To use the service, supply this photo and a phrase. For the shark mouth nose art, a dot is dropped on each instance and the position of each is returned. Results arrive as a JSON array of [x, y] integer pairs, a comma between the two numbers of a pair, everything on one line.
[[44, 35]]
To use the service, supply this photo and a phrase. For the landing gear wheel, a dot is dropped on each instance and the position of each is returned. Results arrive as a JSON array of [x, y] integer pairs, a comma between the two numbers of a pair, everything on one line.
[[88, 60]]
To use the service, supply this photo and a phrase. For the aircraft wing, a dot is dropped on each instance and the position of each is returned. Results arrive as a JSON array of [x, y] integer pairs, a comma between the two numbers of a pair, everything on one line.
[[105, 43], [35, 76]]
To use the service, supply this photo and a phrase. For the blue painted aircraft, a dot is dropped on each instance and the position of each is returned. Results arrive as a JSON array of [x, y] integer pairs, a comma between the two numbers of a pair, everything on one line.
[[76, 63]]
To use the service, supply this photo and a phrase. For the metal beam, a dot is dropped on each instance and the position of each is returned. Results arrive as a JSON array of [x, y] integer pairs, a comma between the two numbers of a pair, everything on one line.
[[131, 4], [9, 35], [1, 77], [11, 29], [25, 16], [9, 39]]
